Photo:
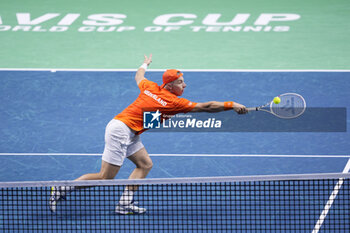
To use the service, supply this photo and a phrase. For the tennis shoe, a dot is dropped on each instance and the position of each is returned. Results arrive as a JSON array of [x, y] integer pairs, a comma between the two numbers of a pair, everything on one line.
[[57, 194], [129, 209]]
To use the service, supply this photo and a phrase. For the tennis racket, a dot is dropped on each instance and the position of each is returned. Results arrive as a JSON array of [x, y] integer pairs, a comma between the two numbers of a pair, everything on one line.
[[292, 105]]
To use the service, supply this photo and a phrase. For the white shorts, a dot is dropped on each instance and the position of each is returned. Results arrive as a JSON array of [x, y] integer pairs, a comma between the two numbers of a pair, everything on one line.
[[120, 142]]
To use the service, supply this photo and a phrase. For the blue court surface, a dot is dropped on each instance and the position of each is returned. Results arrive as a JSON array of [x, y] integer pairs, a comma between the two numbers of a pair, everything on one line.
[[52, 128], [65, 112]]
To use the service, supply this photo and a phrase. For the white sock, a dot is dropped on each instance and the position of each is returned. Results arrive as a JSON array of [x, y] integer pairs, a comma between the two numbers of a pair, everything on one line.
[[126, 197]]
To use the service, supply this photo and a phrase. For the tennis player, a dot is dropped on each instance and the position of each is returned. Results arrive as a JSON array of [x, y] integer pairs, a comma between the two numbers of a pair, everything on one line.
[[122, 136]]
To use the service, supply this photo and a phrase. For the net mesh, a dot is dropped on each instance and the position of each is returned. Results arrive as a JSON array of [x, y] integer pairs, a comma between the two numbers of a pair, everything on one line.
[[289, 204]]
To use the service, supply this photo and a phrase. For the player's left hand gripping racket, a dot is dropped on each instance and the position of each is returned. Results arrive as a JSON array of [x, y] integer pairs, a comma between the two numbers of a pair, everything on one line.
[[292, 105]]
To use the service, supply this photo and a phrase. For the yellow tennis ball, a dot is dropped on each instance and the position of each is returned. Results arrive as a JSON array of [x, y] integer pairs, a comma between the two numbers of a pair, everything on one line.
[[276, 100]]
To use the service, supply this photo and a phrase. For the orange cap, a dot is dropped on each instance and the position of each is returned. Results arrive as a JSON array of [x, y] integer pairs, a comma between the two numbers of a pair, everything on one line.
[[170, 75]]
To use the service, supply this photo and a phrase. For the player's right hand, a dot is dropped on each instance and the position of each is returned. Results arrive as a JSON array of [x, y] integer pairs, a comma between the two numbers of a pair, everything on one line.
[[239, 108]]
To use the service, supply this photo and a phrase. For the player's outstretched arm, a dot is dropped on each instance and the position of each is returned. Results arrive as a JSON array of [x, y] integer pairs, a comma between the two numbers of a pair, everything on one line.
[[140, 74], [214, 106]]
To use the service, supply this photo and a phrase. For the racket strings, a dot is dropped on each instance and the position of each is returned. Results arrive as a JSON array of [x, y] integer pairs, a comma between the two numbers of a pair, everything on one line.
[[291, 105]]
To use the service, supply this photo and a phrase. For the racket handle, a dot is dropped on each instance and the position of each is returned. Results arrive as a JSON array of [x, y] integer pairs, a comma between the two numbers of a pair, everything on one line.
[[253, 109]]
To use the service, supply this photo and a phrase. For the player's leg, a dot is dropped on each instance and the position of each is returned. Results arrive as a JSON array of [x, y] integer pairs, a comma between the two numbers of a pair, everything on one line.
[[108, 171], [116, 137], [58, 193], [143, 165]]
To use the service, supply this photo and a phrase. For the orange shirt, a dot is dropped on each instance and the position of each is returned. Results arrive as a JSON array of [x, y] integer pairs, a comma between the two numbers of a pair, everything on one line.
[[152, 98]]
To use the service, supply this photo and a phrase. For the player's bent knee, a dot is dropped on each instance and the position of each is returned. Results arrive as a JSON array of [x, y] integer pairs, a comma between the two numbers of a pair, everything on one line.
[[147, 166]]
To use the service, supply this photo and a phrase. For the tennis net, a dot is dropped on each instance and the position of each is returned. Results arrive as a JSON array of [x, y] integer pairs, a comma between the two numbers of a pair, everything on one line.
[[281, 203]]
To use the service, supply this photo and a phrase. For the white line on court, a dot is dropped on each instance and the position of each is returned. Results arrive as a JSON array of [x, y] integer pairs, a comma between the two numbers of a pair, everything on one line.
[[184, 155], [331, 200], [160, 70]]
